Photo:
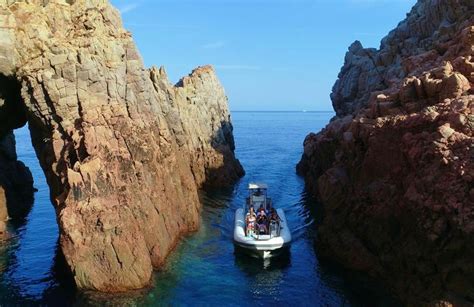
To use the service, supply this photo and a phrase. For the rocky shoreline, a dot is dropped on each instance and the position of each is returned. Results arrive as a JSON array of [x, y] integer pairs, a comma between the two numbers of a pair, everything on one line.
[[394, 170], [124, 151]]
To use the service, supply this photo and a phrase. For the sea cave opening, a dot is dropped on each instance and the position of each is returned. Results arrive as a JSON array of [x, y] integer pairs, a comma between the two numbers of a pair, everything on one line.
[[29, 250], [15, 179]]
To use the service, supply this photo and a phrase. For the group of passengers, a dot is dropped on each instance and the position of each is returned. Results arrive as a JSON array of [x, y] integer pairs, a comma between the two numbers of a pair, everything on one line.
[[259, 222]]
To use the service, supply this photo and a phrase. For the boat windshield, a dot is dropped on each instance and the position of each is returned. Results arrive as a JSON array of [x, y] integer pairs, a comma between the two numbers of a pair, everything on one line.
[[258, 197]]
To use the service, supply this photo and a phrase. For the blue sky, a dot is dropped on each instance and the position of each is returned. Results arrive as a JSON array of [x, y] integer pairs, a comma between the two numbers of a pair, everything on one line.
[[269, 54]]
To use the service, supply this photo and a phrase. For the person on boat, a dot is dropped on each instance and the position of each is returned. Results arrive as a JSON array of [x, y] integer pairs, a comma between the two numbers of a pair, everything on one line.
[[274, 221], [250, 220], [274, 216], [262, 221], [261, 211]]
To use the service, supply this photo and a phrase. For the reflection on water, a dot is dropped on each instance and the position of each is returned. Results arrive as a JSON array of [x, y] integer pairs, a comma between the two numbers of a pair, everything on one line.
[[29, 273], [252, 266], [265, 274], [204, 269]]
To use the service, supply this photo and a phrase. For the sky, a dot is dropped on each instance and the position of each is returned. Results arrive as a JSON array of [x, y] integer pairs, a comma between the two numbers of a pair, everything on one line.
[[274, 55]]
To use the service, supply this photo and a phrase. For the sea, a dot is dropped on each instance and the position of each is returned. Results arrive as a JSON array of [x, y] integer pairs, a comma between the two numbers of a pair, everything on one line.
[[204, 270]]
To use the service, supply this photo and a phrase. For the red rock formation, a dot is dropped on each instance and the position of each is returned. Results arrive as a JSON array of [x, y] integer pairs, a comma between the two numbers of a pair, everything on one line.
[[190, 121], [124, 152], [394, 170]]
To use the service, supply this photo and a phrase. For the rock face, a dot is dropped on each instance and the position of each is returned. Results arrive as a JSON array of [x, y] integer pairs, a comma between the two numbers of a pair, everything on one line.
[[395, 168], [124, 152], [190, 121]]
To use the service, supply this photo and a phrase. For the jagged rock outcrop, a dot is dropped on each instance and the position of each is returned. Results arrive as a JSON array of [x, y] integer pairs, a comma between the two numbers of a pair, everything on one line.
[[183, 108], [124, 152], [395, 168]]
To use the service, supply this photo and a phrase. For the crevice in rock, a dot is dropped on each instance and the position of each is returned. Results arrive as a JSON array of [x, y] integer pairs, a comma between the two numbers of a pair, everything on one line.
[[41, 137]]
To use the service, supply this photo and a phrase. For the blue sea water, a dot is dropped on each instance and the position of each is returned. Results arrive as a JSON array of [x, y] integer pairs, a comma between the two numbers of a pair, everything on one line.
[[203, 270]]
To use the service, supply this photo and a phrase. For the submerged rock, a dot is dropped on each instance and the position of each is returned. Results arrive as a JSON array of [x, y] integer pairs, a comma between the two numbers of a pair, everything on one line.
[[124, 151], [394, 169]]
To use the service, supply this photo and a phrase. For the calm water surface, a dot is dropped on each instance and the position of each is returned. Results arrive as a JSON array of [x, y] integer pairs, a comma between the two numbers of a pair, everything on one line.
[[204, 269]]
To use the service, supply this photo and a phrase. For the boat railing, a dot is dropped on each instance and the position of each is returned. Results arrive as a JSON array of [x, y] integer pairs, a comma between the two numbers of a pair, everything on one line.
[[256, 199], [274, 230]]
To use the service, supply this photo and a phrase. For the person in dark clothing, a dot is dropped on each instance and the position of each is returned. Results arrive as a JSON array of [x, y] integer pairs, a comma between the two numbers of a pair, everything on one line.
[[262, 221], [274, 217]]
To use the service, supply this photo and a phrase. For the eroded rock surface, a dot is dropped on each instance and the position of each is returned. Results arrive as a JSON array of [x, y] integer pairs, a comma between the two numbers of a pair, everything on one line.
[[395, 169], [124, 152], [189, 120]]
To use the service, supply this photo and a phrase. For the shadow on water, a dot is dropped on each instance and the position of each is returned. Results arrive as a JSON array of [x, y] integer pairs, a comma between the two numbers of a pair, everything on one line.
[[33, 270], [361, 289], [62, 289], [204, 269], [59, 286], [253, 266]]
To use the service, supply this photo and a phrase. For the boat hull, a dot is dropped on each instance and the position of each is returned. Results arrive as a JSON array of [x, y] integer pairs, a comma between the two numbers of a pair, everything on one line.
[[264, 246], [261, 254]]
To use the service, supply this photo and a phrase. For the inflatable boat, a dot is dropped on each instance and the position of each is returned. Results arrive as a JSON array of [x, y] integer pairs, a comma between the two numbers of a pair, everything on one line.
[[260, 229]]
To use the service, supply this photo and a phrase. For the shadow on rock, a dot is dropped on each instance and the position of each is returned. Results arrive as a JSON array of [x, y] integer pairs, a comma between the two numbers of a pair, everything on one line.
[[16, 180], [361, 288], [230, 169]]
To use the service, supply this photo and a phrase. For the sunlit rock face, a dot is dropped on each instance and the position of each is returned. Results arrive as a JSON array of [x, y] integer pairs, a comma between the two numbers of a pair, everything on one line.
[[124, 151], [195, 109], [395, 168]]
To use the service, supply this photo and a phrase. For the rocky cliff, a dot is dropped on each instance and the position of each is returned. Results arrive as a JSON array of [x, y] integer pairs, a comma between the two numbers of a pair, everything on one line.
[[183, 108], [124, 152], [394, 170], [3, 212]]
